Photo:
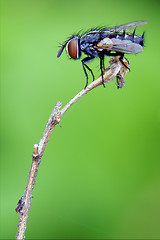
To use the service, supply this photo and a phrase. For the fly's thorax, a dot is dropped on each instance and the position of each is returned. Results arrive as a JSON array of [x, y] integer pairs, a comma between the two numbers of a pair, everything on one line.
[[73, 47]]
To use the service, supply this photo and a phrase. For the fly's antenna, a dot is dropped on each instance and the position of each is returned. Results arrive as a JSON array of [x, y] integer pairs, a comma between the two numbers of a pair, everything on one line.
[[60, 51]]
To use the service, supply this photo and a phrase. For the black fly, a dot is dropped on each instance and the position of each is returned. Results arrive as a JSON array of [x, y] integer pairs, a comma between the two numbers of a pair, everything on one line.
[[114, 41]]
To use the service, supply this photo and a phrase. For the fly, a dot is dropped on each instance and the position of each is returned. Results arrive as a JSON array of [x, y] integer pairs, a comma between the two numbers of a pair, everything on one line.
[[114, 41]]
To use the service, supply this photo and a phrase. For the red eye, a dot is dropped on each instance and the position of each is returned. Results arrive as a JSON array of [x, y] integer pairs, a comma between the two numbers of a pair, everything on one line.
[[73, 48]]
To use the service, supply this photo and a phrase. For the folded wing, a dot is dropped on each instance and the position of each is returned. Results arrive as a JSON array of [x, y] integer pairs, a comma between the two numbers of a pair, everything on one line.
[[118, 45]]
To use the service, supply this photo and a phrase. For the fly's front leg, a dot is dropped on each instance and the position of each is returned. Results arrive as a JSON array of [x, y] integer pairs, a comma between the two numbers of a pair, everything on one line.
[[84, 65]]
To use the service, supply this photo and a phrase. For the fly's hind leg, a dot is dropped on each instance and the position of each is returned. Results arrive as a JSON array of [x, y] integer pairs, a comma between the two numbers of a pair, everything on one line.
[[121, 60], [102, 67]]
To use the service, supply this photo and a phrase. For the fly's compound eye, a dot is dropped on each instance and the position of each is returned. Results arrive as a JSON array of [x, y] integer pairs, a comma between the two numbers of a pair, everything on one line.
[[73, 48]]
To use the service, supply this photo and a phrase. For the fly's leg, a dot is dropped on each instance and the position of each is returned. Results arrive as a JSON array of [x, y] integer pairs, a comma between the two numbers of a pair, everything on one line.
[[90, 71], [102, 67], [84, 65], [121, 60]]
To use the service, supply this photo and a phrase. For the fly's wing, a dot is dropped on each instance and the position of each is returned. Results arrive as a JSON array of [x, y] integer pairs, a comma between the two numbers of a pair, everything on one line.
[[127, 26], [118, 45]]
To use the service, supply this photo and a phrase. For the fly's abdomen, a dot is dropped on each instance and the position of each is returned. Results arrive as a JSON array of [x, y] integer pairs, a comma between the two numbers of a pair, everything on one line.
[[121, 42], [129, 36]]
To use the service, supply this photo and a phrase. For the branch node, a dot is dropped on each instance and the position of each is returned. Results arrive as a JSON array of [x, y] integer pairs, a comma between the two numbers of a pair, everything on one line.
[[56, 116], [35, 154], [20, 204]]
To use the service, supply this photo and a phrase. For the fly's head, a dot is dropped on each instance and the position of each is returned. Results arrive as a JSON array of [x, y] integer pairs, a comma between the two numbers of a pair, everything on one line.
[[72, 47]]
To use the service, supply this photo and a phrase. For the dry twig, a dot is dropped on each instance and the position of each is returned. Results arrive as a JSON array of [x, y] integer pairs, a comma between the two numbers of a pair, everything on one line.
[[116, 69]]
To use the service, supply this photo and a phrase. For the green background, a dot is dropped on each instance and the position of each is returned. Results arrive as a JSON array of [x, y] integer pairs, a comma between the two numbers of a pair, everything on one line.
[[100, 173]]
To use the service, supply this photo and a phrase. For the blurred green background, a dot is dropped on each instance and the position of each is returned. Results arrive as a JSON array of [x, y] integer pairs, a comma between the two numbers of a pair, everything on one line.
[[100, 174]]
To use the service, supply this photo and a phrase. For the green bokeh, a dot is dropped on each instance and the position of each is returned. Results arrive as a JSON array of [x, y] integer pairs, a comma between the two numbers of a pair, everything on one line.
[[99, 177]]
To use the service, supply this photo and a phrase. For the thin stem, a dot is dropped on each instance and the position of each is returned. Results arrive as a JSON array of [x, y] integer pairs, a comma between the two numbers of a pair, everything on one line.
[[115, 69], [23, 205]]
